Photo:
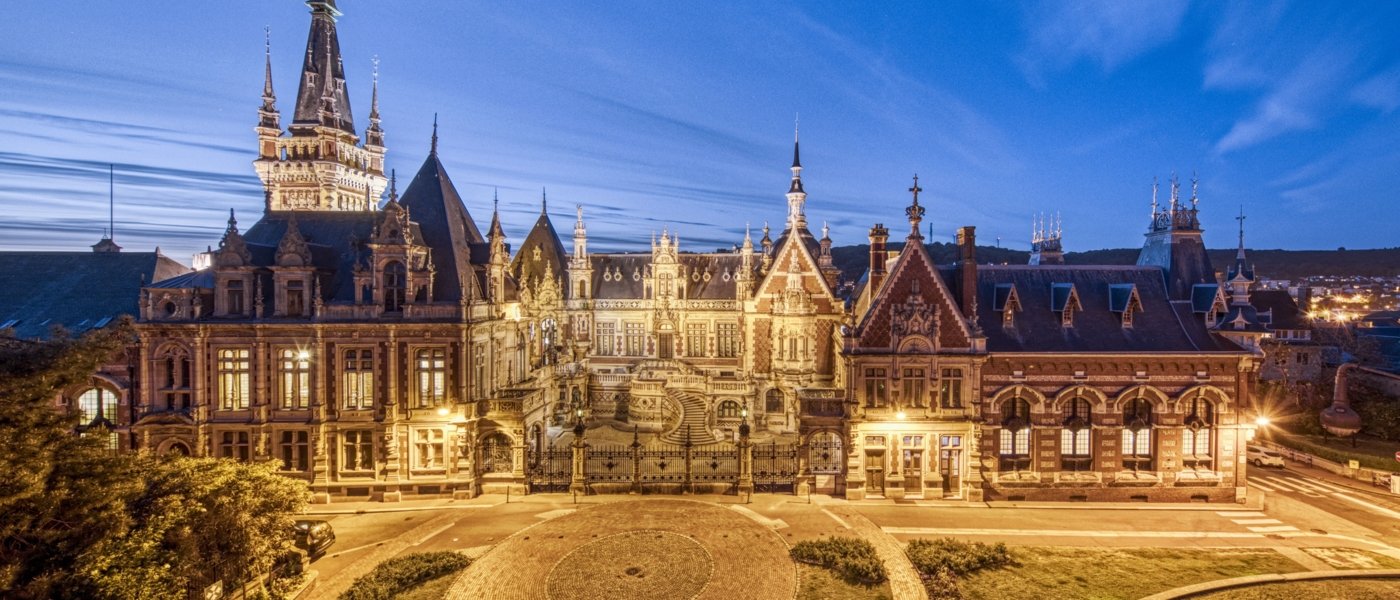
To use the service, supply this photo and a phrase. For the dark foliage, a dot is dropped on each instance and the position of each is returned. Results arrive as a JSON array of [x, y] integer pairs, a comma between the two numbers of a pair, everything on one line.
[[398, 575], [853, 559], [942, 561]]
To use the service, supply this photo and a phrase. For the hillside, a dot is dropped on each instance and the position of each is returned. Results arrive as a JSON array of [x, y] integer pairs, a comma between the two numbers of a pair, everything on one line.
[[1273, 264]]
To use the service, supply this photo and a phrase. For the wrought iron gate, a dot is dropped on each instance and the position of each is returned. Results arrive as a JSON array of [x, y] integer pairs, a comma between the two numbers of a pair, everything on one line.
[[715, 463], [662, 464], [774, 467], [549, 470], [608, 464]]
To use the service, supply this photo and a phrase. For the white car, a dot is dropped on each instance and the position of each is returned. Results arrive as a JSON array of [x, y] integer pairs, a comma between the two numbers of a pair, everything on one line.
[[1263, 457]]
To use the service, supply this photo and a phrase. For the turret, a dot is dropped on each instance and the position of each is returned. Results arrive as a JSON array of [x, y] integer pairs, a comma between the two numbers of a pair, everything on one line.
[[796, 196], [499, 259], [879, 236], [1046, 248], [580, 268], [1174, 244], [1241, 276], [269, 119]]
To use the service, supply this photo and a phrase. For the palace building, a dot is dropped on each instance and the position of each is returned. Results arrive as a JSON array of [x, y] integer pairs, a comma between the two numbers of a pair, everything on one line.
[[379, 347]]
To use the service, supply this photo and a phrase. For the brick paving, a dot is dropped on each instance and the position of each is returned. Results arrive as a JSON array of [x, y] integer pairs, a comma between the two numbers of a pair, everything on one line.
[[748, 560], [905, 583]]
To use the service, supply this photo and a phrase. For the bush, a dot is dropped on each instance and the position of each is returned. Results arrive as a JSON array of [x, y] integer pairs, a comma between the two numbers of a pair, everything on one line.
[[853, 559], [957, 557], [398, 575]]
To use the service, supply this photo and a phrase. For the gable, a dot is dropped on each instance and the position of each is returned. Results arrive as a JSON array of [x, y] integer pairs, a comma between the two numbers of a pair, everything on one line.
[[794, 262], [913, 303]]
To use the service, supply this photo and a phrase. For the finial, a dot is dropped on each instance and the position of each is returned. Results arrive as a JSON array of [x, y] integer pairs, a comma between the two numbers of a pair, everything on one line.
[[1194, 182], [748, 231], [579, 209], [544, 200], [232, 222], [433, 150], [826, 230], [1154, 196], [393, 185], [495, 198], [111, 201], [796, 146], [1176, 191], [916, 189]]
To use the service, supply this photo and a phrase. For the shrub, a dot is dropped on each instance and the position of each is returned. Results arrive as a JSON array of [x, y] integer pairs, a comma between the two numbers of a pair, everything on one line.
[[853, 559], [398, 575], [956, 557]]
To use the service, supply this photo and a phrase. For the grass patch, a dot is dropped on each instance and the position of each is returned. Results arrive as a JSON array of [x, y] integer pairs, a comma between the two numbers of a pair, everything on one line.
[[397, 576], [1375, 589], [818, 583], [941, 563], [1371, 453], [432, 589], [854, 559], [1115, 572]]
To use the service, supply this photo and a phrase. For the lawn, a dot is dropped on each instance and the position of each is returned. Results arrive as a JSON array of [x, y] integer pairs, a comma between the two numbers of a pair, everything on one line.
[[1337, 589], [1105, 573], [432, 589], [1370, 452], [816, 583]]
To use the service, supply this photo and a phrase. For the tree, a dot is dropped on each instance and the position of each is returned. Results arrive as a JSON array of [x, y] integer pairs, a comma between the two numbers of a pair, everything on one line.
[[83, 522]]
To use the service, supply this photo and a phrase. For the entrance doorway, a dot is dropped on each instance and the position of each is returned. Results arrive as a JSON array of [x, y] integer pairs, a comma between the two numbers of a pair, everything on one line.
[[875, 473], [950, 464], [665, 345], [912, 464]]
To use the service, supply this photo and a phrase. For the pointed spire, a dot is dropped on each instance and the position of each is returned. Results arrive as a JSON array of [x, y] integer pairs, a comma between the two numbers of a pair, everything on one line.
[[268, 116], [232, 222], [544, 201], [796, 146], [1239, 254], [796, 195], [1154, 197], [394, 187], [374, 134], [433, 149], [322, 98]]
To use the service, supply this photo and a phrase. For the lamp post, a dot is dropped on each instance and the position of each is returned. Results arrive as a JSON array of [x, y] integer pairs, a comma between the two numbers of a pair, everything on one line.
[[578, 483], [745, 457]]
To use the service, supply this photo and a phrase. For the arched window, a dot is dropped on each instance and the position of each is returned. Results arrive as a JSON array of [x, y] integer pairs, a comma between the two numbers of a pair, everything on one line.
[[178, 449], [824, 450], [1196, 437], [395, 284], [1075, 439], [1015, 435], [774, 401], [729, 409], [1137, 435], [97, 406]]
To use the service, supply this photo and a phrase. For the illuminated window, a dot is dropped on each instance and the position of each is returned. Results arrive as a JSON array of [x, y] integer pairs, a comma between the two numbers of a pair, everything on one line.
[[695, 339], [358, 450], [913, 387], [1015, 435], [1196, 437], [875, 393], [950, 389], [432, 376], [636, 338], [607, 338], [233, 368], [1075, 436], [1137, 435], [294, 370], [729, 409], [97, 404], [357, 379], [428, 449], [727, 339]]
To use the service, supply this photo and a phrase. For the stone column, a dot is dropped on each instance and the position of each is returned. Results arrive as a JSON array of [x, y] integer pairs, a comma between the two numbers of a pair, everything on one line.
[[578, 484], [745, 459], [636, 463]]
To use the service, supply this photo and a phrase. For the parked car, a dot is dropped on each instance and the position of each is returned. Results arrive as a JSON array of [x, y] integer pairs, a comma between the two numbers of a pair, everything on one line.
[[314, 537], [1260, 456]]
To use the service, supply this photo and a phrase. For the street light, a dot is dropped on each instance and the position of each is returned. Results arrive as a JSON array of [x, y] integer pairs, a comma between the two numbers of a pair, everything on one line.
[[1262, 421], [442, 411]]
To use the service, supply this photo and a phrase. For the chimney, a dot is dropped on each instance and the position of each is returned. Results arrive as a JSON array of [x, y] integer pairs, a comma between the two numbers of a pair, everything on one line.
[[967, 267], [878, 236]]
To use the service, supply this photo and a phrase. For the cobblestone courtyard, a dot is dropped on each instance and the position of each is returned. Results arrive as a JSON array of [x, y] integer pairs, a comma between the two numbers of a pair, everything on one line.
[[653, 548]]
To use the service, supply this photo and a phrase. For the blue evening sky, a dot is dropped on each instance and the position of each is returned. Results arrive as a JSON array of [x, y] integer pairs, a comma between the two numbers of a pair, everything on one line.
[[680, 115]]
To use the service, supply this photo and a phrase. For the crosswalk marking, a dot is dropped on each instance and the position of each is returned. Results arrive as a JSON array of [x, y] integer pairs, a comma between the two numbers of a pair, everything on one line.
[[1293, 487], [1255, 483], [1275, 529], [1322, 489], [1070, 533], [1258, 522], [1235, 514]]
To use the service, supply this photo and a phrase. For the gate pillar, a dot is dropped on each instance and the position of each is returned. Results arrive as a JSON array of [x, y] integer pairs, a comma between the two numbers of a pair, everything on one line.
[[745, 458], [636, 463], [578, 484]]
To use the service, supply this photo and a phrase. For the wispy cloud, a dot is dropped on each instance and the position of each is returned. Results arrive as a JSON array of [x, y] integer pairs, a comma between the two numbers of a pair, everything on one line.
[[1381, 92], [1108, 32]]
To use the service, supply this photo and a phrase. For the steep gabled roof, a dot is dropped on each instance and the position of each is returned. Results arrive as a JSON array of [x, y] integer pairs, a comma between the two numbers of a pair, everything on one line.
[[76, 290], [448, 229], [914, 278], [542, 252], [323, 72], [784, 252], [1282, 309]]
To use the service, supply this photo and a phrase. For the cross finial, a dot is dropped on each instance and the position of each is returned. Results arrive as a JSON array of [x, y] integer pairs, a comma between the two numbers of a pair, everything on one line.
[[916, 189]]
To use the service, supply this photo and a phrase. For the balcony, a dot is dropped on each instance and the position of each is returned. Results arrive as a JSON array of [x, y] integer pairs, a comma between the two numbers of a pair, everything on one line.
[[823, 407]]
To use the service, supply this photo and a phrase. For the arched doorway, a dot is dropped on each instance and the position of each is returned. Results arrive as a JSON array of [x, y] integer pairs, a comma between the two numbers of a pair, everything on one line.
[[496, 454]]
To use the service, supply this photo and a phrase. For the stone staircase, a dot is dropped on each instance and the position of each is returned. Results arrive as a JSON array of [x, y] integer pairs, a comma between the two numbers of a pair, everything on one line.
[[693, 419]]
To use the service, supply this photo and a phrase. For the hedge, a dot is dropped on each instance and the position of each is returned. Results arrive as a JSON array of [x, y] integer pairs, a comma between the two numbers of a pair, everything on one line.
[[853, 558], [398, 575]]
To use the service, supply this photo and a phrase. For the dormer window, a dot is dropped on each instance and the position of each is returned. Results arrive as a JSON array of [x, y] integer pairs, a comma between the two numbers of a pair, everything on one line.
[[1007, 302], [1123, 299], [234, 297], [395, 285], [1064, 300], [296, 298]]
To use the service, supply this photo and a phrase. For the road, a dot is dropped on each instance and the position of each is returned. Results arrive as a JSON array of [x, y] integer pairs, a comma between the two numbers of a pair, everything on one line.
[[1300, 509]]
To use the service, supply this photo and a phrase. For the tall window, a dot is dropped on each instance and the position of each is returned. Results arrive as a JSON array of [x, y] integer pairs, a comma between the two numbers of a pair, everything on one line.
[[233, 366], [1137, 435], [1196, 437], [173, 375], [358, 451], [294, 370], [636, 338], [295, 450], [774, 401], [97, 404], [432, 376], [428, 449], [479, 370], [913, 387], [606, 333], [824, 450], [234, 290], [950, 389], [727, 339], [1015, 446], [234, 444], [395, 284], [695, 339], [296, 298], [729, 409], [875, 392], [357, 379], [1075, 437]]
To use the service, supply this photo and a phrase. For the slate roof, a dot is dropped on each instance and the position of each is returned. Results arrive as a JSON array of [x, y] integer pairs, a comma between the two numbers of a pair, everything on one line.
[[525, 267], [621, 276], [1162, 325], [323, 72], [1281, 309], [336, 241], [434, 204], [77, 290]]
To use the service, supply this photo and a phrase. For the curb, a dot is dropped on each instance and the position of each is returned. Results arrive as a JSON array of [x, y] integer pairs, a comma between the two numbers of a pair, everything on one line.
[[362, 511], [1198, 589]]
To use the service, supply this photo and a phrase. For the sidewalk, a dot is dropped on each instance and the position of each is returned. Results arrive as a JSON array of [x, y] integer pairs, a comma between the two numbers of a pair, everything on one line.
[[1333, 478]]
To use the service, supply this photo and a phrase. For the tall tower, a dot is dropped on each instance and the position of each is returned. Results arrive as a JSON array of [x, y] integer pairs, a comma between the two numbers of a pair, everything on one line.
[[320, 165], [580, 268], [796, 196], [1046, 248], [1174, 244]]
